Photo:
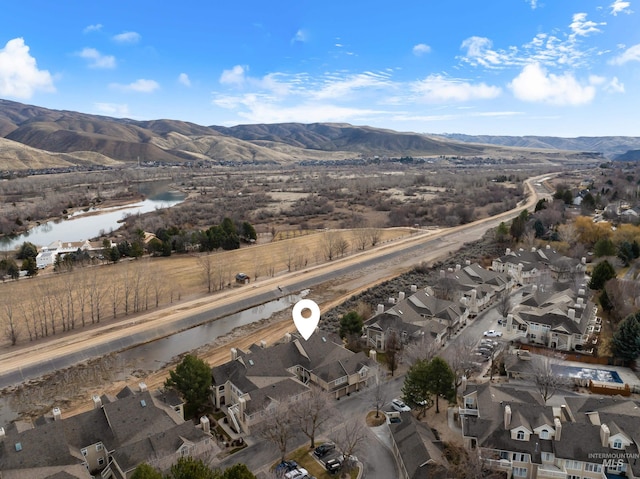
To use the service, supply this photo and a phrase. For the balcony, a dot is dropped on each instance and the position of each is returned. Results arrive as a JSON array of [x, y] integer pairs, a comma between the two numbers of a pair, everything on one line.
[[467, 411], [551, 472], [498, 464]]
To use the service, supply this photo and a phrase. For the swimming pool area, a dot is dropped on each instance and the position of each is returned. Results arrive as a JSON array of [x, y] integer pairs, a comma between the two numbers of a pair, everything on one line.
[[602, 375]]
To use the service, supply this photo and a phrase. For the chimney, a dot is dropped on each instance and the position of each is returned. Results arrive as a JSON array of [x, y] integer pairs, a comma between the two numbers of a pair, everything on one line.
[[263, 344], [581, 292], [242, 404], [392, 300], [474, 294], [234, 354], [572, 314], [414, 288], [97, 402], [508, 251], [400, 295], [583, 260], [204, 422], [442, 275], [463, 383], [1, 432], [604, 435], [507, 416], [534, 288], [287, 337], [467, 262], [558, 425], [373, 354], [142, 386], [458, 267], [380, 309], [533, 249], [57, 414], [548, 246]]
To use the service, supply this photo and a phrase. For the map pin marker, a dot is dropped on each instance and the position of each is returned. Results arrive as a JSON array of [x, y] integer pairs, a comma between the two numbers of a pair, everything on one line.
[[306, 326]]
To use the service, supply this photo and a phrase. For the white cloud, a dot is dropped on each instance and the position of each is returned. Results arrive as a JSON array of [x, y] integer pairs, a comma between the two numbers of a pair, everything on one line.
[[614, 86], [535, 84], [631, 54], [97, 59], [533, 4], [340, 86], [19, 73], [235, 76], [183, 78], [421, 49], [437, 88], [127, 37], [480, 52], [112, 109], [620, 6], [301, 36], [141, 86], [582, 27], [92, 28]]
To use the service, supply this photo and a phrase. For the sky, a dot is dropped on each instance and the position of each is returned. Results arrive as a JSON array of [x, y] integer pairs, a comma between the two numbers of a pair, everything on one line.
[[498, 67]]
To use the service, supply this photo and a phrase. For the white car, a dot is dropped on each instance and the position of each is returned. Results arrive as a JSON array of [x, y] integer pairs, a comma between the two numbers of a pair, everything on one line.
[[399, 405], [492, 333]]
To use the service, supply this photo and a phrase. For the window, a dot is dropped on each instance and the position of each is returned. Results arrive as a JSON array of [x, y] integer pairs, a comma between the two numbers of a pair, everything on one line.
[[221, 388], [617, 444], [590, 467], [101, 461], [520, 436], [517, 456], [547, 456], [84, 452], [573, 476], [520, 472], [99, 447], [544, 434], [341, 380], [571, 464]]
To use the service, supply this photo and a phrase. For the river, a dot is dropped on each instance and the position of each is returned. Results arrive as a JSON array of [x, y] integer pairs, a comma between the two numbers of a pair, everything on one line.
[[91, 223], [148, 357]]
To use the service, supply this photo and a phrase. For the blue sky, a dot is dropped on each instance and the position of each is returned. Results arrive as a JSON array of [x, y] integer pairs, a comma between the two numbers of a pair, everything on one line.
[[512, 67]]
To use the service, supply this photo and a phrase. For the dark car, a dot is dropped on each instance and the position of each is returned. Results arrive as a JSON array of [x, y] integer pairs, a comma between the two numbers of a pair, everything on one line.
[[286, 466], [332, 466], [324, 449]]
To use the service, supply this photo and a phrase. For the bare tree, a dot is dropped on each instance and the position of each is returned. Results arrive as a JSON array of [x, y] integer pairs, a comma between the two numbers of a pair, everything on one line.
[[547, 381], [361, 238], [422, 349], [207, 270], [349, 438], [12, 331], [278, 427], [379, 394], [461, 360], [503, 305], [342, 245], [329, 245], [375, 234], [311, 412]]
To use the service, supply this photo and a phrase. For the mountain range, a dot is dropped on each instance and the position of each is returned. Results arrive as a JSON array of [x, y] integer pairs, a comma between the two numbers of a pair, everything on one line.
[[36, 137]]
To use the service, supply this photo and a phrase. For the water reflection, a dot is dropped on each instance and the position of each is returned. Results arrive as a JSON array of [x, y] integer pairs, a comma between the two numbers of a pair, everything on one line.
[[91, 223]]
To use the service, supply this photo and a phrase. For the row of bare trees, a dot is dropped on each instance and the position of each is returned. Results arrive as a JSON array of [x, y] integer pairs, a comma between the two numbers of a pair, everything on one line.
[[78, 298]]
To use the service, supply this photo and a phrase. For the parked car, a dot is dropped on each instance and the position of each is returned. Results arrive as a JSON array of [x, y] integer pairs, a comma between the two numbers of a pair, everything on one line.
[[399, 405], [286, 466], [489, 343], [492, 333], [332, 466], [324, 449], [485, 351], [297, 474]]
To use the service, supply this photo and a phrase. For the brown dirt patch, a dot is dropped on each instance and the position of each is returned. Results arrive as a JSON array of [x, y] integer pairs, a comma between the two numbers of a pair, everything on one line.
[[373, 421]]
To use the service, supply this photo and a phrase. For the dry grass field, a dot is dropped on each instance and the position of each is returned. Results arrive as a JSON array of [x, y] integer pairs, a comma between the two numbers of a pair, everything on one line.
[[84, 296]]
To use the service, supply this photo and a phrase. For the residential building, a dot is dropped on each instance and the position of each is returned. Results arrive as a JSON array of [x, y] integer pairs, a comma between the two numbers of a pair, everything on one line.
[[528, 267], [587, 437], [47, 255], [109, 441], [258, 380], [417, 452]]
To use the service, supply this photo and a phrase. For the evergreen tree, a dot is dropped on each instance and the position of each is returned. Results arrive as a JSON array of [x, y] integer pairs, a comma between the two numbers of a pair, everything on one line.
[[190, 468], [192, 378], [440, 379], [415, 390], [145, 471], [625, 343], [602, 273], [350, 324]]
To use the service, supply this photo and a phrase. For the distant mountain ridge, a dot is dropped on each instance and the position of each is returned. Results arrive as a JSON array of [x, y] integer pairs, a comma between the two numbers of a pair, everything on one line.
[[609, 146], [59, 138]]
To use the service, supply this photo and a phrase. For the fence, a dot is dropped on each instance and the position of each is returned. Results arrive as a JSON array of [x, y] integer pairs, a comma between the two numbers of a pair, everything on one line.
[[608, 389]]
